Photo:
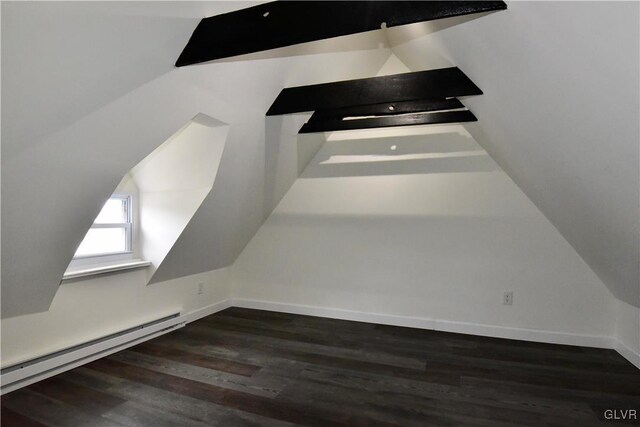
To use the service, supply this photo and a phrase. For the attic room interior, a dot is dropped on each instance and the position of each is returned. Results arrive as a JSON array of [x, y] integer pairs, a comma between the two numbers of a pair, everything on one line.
[[280, 213]]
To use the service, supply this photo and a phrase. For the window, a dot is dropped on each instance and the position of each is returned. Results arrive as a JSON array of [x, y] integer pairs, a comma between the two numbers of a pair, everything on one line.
[[111, 232]]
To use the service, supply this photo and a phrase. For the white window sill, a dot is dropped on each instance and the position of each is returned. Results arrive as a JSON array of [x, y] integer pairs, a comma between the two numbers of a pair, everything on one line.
[[104, 269]]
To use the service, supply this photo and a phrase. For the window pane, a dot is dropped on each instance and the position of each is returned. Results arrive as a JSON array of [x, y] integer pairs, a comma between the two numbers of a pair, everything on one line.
[[112, 212], [100, 241]]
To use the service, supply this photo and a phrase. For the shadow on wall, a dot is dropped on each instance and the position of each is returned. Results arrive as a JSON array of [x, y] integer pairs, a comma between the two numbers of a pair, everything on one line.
[[405, 33], [287, 154], [364, 41], [399, 243], [450, 152], [419, 222]]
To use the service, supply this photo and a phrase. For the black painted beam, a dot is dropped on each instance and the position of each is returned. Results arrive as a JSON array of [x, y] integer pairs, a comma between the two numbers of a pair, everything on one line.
[[389, 121], [389, 109], [285, 23], [440, 83]]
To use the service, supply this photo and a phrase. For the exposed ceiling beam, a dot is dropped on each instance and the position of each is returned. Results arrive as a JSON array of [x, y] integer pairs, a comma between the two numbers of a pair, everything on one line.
[[389, 121], [285, 23], [420, 85]]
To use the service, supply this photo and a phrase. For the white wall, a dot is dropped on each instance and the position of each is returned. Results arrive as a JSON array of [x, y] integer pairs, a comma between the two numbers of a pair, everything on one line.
[[433, 230], [88, 309], [627, 331], [559, 113], [173, 181], [90, 97], [76, 120]]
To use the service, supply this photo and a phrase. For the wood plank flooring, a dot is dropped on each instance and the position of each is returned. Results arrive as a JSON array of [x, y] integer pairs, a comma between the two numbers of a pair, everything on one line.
[[245, 367]]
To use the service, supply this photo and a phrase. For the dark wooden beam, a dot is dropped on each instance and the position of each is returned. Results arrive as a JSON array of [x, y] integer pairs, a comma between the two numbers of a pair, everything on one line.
[[285, 23], [389, 121], [420, 85]]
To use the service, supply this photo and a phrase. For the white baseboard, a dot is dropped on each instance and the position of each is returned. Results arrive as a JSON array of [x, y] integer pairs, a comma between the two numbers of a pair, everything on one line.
[[206, 311], [38, 371], [627, 352], [524, 334], [335, 313], [48, 367]]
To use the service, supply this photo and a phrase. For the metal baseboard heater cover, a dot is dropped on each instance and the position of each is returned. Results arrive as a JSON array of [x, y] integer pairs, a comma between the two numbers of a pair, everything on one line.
[[27, 372], [285, 23]]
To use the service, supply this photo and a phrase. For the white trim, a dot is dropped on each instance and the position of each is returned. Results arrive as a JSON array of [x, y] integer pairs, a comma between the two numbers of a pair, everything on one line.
[[94, 258], [536, 335], [103, 269], [627, 352], [335, 313], [46, 368], [127, 200], [58, 364], [524, 334], [206, 311], [91, 261]]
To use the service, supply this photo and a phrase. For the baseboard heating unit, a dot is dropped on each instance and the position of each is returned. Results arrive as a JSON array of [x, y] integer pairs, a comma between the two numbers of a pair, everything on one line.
[[27, 372]]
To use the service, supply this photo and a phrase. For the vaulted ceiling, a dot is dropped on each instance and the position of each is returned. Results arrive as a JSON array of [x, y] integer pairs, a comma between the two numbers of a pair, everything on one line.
[[79, 112], [559, 113]]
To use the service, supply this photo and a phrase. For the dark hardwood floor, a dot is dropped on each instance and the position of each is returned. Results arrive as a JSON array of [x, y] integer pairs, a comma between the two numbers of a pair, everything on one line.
[[248, 367]]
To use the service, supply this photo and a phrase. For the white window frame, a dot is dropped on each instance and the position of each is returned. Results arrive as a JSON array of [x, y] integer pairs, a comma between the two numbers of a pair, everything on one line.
[[129, 231]]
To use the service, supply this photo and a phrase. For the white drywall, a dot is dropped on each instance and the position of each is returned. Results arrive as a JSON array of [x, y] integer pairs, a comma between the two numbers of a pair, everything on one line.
[[433, 229], [88, 309], [89, 90], [445, 230], [627, 331], [163, 216], [559, 113], [187, 160], [173, 181]]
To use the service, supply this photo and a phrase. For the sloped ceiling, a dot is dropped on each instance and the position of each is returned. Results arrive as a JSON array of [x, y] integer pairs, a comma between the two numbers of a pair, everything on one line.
[[560, 114], [90, 89]]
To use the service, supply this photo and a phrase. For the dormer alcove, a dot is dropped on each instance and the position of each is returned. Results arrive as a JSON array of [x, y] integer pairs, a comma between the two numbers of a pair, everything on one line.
[[164, 191]]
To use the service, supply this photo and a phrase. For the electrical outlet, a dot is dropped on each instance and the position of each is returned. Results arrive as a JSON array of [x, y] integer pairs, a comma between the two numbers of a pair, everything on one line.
[[507, 298], [200, 288]]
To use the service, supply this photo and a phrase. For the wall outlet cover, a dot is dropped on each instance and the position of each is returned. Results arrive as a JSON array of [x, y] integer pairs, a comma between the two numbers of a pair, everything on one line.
[[507, 298]]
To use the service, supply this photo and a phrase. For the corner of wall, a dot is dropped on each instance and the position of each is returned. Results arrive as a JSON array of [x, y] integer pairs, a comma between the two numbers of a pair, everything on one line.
[[626, 336]]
